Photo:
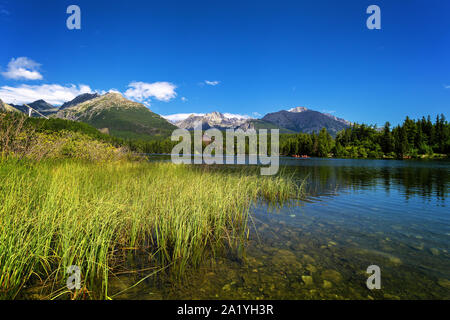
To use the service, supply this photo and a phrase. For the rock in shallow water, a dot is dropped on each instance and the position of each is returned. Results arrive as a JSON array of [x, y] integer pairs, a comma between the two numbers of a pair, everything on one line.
[[327, 284], [308, 258], [434, 251], [311, 268], [444, 283], [227, 287], [308, 280], [332, 275], [286, 258], [395, 260]]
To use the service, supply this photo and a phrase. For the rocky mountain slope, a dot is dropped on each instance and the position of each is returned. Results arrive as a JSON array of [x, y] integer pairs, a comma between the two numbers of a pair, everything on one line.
[[40, 105], [6, 107], [258, 124], [113, 114], [211, 120], [79, 99], [298, 119], [301, 119]]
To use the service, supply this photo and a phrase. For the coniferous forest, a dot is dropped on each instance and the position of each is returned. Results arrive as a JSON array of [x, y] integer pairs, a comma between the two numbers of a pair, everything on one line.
[[422, 138], [412, 139]]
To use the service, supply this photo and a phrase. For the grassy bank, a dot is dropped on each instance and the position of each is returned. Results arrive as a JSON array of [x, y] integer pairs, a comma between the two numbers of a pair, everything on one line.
[[58, 213]]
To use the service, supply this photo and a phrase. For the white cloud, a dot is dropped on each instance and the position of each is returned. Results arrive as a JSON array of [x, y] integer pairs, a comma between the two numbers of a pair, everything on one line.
[[144, 92], [52, 93], [102, 92], [180, 116], [22, 68], [256, 114], [447, 87], [212, 83], [183, 116], [184, 99], [236, 116]]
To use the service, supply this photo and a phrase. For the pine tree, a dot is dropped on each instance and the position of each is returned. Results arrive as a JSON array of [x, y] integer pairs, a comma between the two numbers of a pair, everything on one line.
[[387, 140]]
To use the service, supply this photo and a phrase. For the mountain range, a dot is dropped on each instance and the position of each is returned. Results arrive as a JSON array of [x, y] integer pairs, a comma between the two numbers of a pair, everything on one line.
[[211, 120], [79, 99], [114, 114], [40, 105], [299, 119]]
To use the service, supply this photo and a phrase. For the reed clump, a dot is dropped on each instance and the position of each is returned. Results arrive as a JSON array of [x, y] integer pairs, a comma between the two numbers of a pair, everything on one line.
[[58, 213]]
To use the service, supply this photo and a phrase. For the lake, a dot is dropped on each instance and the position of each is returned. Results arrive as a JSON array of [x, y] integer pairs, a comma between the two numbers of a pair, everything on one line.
[[357, 213]]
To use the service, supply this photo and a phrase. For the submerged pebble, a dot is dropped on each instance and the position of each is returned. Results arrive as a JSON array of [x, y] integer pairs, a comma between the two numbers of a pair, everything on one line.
[[327, 284], [311, 268], [308, 258], [332, 275], [226, 287], [434, 251], [395, 260], [308, 280], [444, 283], [286, 258]]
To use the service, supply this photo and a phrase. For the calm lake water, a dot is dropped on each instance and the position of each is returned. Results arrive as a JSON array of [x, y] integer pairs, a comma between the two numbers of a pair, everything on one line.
[[393, 214]]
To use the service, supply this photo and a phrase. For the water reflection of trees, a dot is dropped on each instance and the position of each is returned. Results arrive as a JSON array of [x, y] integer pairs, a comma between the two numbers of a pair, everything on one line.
[[424, 182]]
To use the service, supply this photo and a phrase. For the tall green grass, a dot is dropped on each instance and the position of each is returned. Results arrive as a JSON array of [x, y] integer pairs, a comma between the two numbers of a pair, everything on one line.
[[58, 213]]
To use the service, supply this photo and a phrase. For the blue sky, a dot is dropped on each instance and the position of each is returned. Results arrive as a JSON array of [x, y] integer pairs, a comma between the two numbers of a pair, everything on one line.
[[257, 56]]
